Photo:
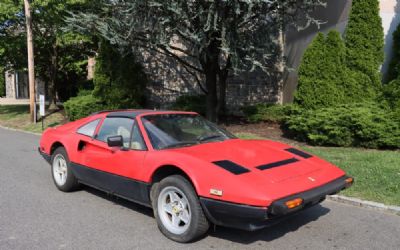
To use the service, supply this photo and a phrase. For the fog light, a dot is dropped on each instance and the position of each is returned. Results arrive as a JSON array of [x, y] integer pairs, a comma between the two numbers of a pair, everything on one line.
[[294, 203]]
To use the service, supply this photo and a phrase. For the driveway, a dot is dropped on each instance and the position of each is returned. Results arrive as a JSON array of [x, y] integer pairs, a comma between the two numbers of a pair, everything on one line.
[[35, 215]]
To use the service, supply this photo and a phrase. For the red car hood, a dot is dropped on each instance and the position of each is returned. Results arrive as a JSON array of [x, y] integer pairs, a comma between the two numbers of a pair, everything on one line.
[[276, 182]]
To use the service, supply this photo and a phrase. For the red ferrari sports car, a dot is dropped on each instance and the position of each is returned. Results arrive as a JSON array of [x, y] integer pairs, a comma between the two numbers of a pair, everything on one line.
[[190, 172]]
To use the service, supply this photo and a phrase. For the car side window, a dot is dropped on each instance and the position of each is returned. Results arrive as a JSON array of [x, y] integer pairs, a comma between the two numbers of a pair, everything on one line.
[[89, 128], [116, 126], [137, 142]]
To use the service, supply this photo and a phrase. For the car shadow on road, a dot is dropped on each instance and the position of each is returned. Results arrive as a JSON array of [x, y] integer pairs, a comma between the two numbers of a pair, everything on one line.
[[271, 233], [120, 201]]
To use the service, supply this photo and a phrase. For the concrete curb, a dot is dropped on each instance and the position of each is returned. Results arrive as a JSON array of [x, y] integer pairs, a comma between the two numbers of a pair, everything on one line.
[[20, 130], [365, 204]]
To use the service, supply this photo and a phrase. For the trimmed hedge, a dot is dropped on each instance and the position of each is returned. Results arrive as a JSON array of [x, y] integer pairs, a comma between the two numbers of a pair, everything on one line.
[[391, 93], [357, 125], [82, 106], [266, 112]]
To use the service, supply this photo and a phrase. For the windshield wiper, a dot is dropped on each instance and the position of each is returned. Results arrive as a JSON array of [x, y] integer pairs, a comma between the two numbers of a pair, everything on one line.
[[210, 137], [180, 144]]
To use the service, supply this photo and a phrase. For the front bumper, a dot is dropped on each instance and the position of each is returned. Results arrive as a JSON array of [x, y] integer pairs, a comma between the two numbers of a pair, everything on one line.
[[252, 218], [44, 155]]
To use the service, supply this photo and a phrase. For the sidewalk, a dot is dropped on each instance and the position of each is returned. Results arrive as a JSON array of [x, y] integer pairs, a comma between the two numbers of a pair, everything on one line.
[[13, 101]]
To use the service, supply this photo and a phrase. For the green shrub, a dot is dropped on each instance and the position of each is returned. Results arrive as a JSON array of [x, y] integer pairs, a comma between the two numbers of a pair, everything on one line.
[[358, 125], [266, 112], [324, 78], [394, 66], [194, 103], [391, 94], [364, 39], [81, 106], [118, 80]]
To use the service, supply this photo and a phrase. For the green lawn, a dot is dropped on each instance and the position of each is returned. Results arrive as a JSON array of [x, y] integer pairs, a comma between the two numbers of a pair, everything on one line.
[[17, 116], [376, 172]]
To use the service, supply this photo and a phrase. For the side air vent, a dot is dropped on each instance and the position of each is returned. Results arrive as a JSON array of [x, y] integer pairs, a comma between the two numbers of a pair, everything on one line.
[[277, 164], [299, 153], [231, 167]]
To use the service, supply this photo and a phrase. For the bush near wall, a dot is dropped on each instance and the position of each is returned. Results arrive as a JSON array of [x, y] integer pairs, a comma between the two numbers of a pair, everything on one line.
[[357, 125], [82, 106], [266, 112]]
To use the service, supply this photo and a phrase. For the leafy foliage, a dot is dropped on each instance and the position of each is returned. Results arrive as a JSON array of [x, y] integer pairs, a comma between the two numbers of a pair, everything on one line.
[[60, 56], [321, 72], [266, 112], [364, 40], [190, 103], [210, 39], [391, 94], [118, 81], [361, 125], [394, 67], [81, 106], [326, 80]]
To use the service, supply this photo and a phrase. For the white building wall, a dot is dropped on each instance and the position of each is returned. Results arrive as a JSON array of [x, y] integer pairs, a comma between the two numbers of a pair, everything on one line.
[[390, 14]]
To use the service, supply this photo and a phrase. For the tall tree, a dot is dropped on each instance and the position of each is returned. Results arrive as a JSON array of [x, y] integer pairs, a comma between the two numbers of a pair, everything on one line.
[[56, 50], [322, 72], [364, 40], [210, 39], [394, 66]]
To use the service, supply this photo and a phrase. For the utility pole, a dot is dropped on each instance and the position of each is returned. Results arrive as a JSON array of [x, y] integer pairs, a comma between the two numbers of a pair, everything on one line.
[[31, 63]]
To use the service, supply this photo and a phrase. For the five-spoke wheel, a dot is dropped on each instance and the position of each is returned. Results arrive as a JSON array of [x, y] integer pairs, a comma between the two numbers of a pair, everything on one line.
[[177, 209], [63, 177]]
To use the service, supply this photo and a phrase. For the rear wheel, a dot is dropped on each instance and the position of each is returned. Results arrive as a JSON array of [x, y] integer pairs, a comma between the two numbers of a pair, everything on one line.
[[177, 210], [62, 174]]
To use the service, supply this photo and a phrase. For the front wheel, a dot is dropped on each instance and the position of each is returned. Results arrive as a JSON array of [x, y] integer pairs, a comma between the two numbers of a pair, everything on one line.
[[177, 210], [62, 174]]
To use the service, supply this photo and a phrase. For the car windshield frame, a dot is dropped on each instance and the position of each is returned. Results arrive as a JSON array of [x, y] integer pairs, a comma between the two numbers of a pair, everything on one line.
[[168, 130]]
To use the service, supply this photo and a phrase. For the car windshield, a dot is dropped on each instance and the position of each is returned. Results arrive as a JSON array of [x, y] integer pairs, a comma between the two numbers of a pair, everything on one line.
[[180, 130]]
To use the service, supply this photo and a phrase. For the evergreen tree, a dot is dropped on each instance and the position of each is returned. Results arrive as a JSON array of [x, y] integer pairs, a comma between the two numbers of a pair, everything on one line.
[[322, 72], [364, 40], [394, 67]]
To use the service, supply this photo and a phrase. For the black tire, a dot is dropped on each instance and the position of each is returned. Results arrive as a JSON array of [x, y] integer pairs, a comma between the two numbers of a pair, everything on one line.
[[71, 183], [198, 225]]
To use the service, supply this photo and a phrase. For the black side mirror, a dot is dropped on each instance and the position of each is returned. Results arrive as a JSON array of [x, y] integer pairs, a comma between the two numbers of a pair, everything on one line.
[[115, 141]]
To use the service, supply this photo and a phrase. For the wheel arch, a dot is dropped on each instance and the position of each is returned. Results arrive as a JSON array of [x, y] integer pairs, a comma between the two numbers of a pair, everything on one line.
[[55, 145], [167, 170]]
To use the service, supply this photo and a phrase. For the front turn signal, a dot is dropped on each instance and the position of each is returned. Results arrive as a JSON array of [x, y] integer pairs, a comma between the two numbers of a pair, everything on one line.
[[349, 181], [294, 203]]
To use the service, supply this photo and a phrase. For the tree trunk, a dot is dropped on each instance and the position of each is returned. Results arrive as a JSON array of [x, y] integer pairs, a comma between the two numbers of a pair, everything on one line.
[[211, 97], [211, 68], [221, 107], [222, 78]]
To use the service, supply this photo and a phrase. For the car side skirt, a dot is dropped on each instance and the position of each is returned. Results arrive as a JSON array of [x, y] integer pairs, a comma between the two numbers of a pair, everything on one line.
[[127, 188]]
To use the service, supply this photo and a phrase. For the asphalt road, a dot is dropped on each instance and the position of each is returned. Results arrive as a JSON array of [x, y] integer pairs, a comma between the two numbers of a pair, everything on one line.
[[35, 215]]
